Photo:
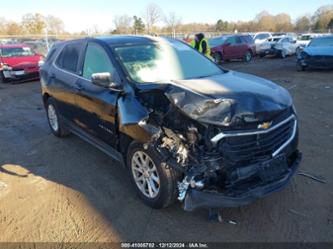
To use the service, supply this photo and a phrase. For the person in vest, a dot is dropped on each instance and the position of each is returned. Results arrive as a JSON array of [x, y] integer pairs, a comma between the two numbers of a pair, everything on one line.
[[200, 43]]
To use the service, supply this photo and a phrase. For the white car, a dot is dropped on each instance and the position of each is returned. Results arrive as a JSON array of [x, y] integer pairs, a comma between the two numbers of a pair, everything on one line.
[[261, 37], [278, 46]]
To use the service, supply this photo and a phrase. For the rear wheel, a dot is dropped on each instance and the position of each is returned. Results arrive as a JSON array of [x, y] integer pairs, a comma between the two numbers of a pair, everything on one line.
[[56, 124], [155, 183], [247, 56]]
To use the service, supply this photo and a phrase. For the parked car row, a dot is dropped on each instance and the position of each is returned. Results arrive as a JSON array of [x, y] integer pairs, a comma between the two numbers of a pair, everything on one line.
[[21, 61], [277, 46], [229, 47]]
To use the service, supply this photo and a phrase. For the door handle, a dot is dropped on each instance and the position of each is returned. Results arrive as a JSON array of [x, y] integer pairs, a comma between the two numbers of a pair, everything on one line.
[[52, 76]]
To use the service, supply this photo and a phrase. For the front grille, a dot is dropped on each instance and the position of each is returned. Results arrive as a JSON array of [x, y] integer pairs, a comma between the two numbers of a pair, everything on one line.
[[250, 149]]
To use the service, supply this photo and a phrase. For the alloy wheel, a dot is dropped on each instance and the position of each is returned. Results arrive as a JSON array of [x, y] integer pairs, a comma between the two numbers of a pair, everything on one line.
[[145, 174], [53, 118]]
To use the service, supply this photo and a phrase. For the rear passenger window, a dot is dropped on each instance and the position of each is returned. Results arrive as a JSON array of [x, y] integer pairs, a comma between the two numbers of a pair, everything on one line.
[[231, 40], [96, 61], [237, 40], [69, 57]]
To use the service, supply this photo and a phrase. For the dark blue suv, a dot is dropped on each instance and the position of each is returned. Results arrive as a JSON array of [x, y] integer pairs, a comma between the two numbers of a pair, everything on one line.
[[184, 127]]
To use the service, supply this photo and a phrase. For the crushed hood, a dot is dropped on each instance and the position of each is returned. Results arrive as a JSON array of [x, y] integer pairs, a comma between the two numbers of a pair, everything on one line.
[[229, 99]]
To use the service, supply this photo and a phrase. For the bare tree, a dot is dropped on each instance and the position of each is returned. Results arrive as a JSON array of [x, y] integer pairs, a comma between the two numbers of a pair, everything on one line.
[[172, 21], [283, 22], [152, 15], [33, 23], [303, 24], [54, 25], [322, 17], [3, 24], [122, 24]]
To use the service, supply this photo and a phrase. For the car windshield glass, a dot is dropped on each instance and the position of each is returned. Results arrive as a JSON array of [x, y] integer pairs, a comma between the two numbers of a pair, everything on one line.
[[214, 42], [163, 61], [16, 52], [321, 42]]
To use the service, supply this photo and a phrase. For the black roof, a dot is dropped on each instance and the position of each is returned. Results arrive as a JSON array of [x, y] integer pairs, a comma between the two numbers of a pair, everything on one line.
[[124, 39]]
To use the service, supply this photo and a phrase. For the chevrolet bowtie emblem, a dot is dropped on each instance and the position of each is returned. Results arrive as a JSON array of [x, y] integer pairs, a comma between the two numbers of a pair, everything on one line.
[[265, 125]]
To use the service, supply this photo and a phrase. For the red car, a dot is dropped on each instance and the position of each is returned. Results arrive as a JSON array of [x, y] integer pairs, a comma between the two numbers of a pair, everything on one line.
[[18, 62], [231, 47]]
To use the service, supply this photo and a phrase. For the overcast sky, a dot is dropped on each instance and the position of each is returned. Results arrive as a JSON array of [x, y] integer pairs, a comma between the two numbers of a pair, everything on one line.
[[81, 15]]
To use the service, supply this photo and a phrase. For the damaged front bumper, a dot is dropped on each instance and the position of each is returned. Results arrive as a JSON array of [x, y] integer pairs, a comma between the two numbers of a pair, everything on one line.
[[21, 74], [207, 199]]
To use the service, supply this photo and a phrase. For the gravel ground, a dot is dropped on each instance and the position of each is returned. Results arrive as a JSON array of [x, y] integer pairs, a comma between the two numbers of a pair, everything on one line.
[[59, 190]]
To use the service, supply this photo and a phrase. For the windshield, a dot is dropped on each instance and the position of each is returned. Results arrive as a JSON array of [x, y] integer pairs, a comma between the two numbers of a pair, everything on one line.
[[16, 52], [322, 42], [214, 42], [163, 61], [261, 36], [305, 38]]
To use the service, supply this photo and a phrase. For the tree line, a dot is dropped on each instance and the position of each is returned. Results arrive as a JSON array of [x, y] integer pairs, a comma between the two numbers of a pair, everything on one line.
[[153, 20]]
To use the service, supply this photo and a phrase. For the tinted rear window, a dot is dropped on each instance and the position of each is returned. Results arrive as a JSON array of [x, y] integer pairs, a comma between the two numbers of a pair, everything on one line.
[[69, 57]]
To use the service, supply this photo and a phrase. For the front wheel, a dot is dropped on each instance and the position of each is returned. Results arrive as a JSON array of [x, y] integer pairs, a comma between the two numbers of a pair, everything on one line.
[[154, 181], [300, 67], [283, 54], [2, 78]]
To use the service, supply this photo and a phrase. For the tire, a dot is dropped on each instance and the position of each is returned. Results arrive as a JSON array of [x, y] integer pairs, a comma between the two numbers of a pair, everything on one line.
[[283, 54], [2, 78], [166, 185], [247, 56], [55, 123], [217, 58], [300, 67]]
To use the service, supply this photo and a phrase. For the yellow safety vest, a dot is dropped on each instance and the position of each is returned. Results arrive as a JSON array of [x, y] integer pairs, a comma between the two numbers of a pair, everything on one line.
[[200, 47]]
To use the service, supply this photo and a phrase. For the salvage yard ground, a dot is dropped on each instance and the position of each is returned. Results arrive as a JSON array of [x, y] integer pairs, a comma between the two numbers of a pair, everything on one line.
[[66, 190]]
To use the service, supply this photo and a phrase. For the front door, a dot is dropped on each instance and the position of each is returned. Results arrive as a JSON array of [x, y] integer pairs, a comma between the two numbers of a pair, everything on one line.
[[97, 105]]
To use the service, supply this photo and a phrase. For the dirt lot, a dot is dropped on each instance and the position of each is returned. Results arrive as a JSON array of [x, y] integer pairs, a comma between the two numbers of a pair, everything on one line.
[[66, 190]]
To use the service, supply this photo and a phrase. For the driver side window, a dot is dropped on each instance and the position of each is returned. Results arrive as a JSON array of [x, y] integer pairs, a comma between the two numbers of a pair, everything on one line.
[[96, 61]]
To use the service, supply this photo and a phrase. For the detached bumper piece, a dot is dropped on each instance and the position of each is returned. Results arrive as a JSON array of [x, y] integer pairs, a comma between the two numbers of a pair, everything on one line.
[[274, 175]]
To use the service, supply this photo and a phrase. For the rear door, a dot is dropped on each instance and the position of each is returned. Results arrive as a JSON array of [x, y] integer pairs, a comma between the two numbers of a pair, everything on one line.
[[97, 105], [62, 77], [234, 48], [243, 46]]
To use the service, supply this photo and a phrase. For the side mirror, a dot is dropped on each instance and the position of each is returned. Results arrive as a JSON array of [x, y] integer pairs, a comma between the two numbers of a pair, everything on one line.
[[105, 80], [227, 44]]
